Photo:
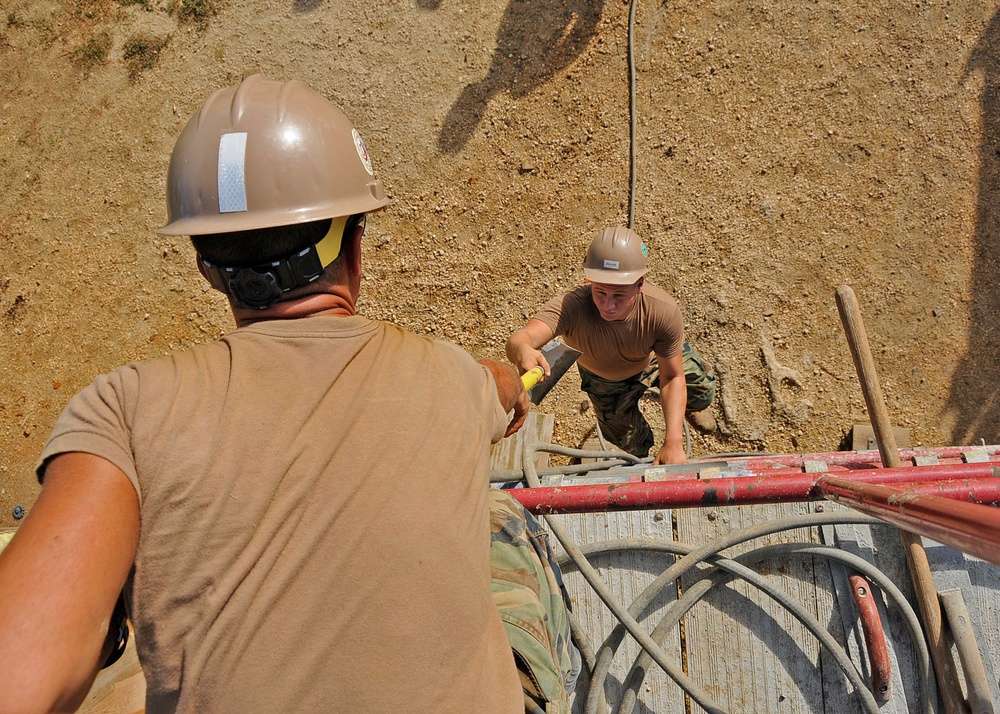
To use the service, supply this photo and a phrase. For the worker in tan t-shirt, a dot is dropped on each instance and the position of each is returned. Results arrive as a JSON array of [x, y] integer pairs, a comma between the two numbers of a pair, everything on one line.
[[298, 513], [631, 336]]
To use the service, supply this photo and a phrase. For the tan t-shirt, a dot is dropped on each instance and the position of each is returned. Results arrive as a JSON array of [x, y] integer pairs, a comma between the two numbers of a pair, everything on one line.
[[623, 348], [314, 520]]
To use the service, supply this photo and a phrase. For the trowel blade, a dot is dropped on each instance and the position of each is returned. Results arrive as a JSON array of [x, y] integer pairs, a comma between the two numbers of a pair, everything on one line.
[[560, 357]]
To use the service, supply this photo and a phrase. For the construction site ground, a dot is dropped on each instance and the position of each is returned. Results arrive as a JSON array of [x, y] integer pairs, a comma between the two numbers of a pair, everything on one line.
[[781, 149]]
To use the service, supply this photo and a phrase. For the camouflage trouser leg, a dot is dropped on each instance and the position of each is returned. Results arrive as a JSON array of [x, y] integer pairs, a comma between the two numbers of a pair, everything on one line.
[[616, 405], [529, 594], [700, 382]]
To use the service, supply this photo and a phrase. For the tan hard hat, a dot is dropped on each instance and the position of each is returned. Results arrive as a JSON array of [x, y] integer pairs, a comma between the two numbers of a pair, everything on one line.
[[617, 256], [267, 154]]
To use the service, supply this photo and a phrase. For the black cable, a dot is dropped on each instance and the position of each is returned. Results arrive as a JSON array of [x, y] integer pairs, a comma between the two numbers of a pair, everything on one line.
[[631, 112]]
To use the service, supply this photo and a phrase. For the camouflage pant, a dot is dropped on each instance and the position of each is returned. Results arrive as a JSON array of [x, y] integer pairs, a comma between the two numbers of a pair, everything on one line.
[[529, 593], [617, 403]]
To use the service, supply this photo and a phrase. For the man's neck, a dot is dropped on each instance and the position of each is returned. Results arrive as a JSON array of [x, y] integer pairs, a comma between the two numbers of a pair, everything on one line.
[[328, 304]]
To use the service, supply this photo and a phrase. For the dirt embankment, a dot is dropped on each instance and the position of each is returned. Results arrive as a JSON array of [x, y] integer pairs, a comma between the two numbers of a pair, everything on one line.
[[781, 150]]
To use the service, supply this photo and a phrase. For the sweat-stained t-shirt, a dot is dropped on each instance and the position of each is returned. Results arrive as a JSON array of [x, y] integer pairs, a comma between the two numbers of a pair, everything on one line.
[[622, 348], [314, 520]]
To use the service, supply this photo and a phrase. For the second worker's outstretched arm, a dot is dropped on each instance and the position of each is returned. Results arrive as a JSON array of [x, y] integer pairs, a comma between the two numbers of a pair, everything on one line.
[[523, 347]]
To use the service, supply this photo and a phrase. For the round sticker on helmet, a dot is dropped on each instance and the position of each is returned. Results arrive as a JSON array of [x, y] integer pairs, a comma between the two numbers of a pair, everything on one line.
[[645, 251], [359, 144]]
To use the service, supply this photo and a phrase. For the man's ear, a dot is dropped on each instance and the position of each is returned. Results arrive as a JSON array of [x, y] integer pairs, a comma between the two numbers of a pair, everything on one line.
[[351, 249], [639, 283]]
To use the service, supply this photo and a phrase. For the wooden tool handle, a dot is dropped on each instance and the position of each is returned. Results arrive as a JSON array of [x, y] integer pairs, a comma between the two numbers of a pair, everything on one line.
[[916, 557]]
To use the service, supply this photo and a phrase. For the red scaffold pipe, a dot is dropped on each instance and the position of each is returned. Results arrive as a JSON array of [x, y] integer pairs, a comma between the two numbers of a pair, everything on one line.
[[746, 490], [862, 458], [969, 527], [984, 491]]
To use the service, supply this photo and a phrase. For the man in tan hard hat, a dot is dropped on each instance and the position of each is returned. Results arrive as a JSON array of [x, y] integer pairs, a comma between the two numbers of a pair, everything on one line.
[[299, 515], [631, 336]]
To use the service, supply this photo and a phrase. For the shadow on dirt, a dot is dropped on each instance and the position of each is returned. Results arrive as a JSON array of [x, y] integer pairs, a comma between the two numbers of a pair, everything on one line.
[[536, 39], [307, 5], [975, 386]]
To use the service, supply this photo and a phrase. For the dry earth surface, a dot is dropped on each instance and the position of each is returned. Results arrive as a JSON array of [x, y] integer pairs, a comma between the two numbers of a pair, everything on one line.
[[781, 149]]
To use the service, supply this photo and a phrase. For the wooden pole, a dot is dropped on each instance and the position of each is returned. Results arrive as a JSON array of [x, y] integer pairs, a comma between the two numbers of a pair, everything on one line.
[[916, 557]]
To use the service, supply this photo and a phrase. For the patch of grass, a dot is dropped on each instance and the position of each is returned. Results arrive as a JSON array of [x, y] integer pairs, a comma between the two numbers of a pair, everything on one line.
[[194, 12], [14, 20], [93, 10], [141, 52], [142, 3], [93, 52]]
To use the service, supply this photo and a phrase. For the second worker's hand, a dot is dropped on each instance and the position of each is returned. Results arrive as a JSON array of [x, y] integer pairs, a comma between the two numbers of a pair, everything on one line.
[[532, 359], [670, 454]]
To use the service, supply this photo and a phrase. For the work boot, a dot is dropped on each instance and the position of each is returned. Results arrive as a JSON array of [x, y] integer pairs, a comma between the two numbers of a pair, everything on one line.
[[703, 421]]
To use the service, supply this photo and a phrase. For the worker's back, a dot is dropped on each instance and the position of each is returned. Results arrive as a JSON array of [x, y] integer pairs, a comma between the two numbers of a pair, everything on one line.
[[314, 527]]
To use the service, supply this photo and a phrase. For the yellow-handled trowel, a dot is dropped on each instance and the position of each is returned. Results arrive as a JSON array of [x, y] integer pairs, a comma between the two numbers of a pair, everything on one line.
[[560, 357]]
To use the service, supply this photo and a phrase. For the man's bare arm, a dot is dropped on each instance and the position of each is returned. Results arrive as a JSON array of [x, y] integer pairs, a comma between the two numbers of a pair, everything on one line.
[[511, 391], [673, 401], [523, 347], [59, 580]]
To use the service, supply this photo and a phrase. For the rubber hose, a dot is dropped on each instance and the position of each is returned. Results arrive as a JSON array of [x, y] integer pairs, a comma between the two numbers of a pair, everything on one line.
[[697, 555], [676, 610], [697, 591]]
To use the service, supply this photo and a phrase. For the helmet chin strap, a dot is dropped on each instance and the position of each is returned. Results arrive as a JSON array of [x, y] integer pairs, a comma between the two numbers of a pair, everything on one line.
[[260, 286]]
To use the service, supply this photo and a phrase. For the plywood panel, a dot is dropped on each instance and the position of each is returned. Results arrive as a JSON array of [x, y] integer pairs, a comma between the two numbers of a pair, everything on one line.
[[880, 546], [506, 454], [6, 534], [978, 581]]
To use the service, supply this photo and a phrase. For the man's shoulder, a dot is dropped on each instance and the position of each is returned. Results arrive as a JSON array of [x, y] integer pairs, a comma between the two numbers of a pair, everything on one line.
[[655, 292], [658, 299], [408, 346]]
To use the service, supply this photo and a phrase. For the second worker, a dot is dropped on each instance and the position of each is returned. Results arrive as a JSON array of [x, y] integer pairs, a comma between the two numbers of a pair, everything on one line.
[[631, 335]]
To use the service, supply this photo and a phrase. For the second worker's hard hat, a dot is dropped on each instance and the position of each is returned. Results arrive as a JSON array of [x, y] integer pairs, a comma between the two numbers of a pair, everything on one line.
[[266, 154], [616, 256]]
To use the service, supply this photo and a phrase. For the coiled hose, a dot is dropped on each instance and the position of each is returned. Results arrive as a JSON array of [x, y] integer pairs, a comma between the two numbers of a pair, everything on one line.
[[724, 570]]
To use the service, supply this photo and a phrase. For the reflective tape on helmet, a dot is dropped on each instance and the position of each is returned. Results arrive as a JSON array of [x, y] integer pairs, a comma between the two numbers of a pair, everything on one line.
[[232, 172]]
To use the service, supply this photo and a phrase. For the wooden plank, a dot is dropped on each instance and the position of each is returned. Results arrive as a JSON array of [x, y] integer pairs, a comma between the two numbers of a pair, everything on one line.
[[978, 582], [506, 454], [863, 438], [627, 575], [6, 534], [594, 444]]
